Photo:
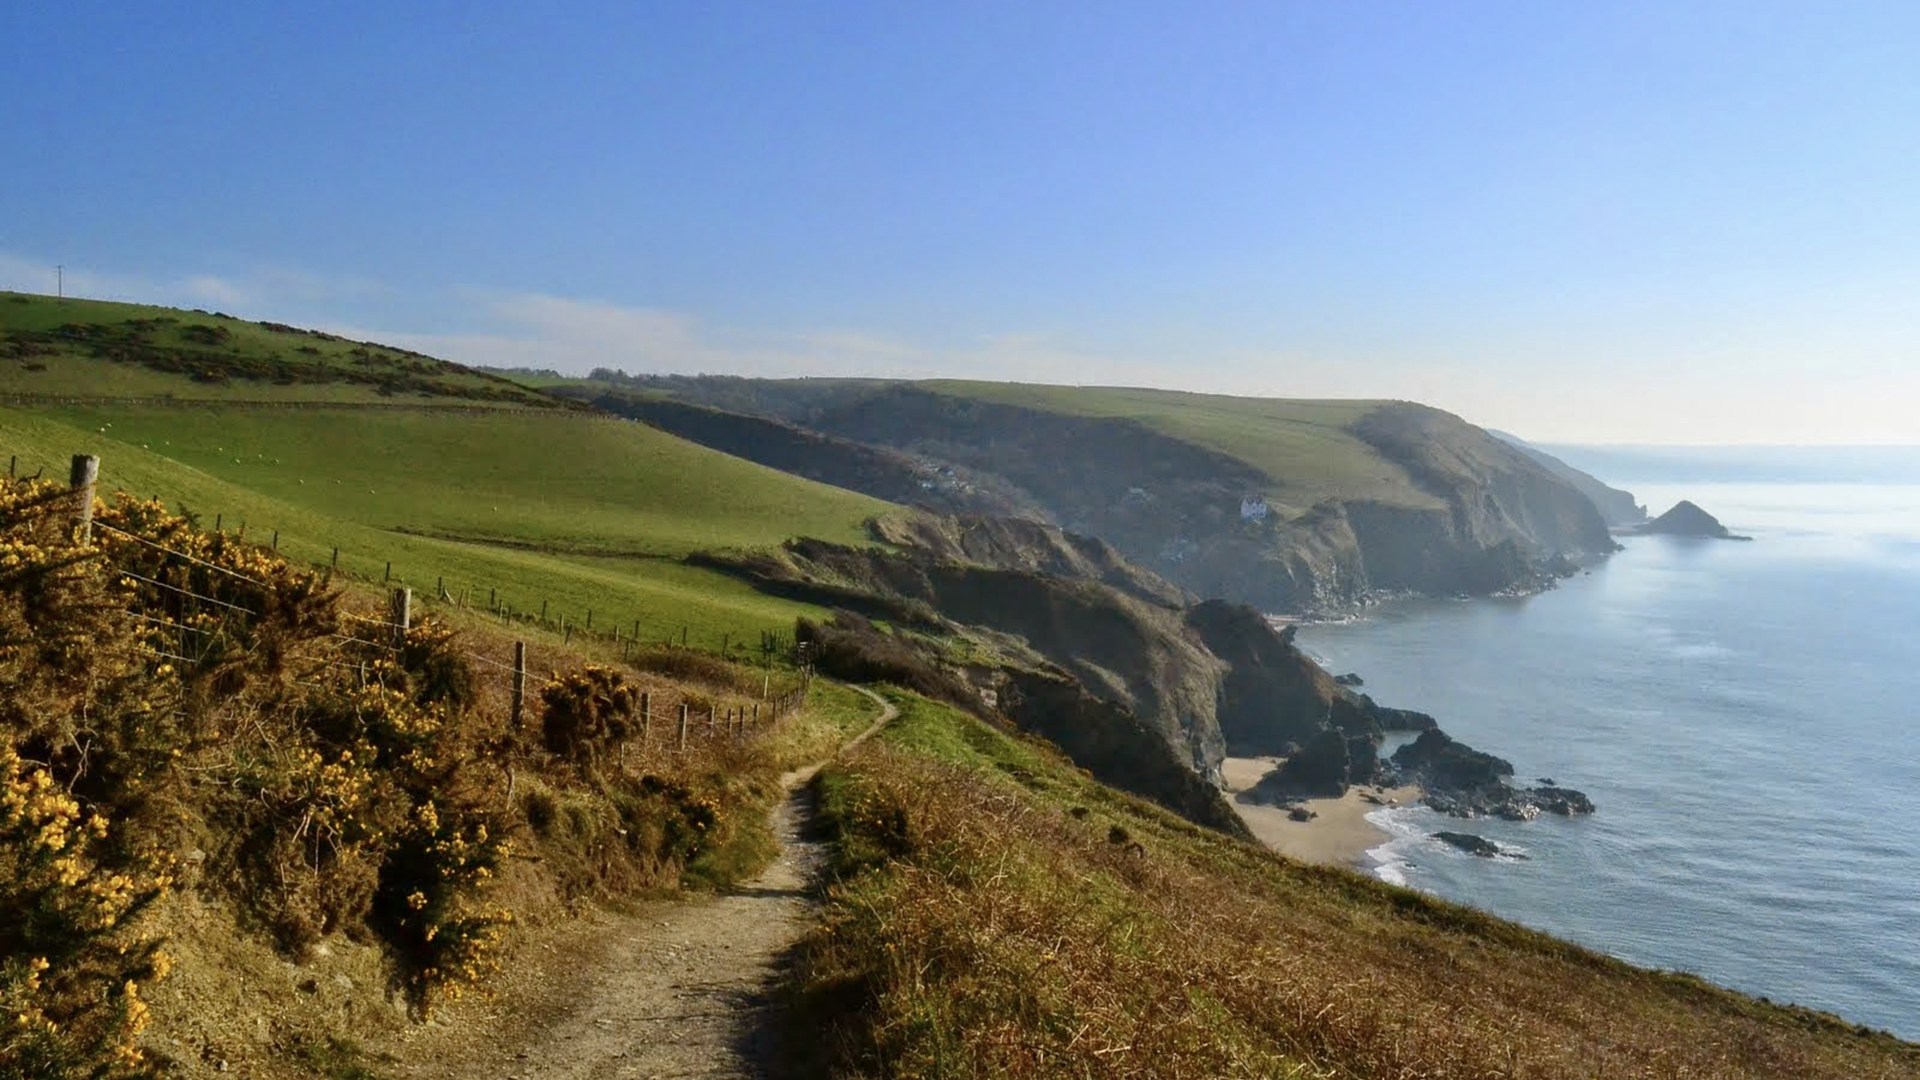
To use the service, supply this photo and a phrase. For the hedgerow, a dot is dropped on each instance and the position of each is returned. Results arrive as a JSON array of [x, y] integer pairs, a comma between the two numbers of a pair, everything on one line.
[[165, 688]]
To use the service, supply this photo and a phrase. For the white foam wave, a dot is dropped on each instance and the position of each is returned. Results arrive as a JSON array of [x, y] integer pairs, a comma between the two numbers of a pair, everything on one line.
[[1400, 823]]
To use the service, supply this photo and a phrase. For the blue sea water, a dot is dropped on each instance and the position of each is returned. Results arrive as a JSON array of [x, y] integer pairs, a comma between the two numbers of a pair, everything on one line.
[[1746, 716]]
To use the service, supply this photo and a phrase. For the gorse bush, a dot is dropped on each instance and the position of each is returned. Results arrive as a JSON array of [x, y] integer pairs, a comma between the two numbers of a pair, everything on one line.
[[72, 963], [86, 717], [162, 683], [164, 688], [587, 711]]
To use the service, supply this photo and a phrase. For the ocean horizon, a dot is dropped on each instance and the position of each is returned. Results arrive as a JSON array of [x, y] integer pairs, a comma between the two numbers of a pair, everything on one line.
[[1741, 714]]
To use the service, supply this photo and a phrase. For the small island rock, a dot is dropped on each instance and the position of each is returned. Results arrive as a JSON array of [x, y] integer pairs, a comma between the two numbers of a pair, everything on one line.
[[1687, 519]]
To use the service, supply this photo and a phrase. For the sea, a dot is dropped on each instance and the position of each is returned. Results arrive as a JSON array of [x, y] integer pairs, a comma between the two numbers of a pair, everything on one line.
[[1745, 716]]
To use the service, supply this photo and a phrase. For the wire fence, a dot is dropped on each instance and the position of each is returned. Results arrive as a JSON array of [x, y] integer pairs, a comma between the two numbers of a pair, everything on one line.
[[588, 625], [189, 626]]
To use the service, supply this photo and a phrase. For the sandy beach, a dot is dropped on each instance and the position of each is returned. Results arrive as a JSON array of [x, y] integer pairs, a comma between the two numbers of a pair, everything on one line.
[[1340, 835]]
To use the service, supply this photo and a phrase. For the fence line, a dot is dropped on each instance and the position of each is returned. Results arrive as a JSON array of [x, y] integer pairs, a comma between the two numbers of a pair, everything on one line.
[[183, 555], [739, 720]]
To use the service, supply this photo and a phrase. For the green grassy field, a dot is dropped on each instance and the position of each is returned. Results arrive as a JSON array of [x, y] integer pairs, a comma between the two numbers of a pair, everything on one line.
[[560, 483], [476, 485], [100, 348], [1303, 445], [662, 593]]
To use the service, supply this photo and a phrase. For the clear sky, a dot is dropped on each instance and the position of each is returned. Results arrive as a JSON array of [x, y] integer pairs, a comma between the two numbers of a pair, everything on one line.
[[1614, 222]]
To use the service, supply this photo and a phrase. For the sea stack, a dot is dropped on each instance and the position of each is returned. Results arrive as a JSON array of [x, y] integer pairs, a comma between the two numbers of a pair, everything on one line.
[[1686, 519]]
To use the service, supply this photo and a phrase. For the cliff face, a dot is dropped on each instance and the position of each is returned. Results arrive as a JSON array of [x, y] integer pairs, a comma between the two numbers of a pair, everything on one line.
[[1501, 513], [1137, 683], [1440, 506], [1485, 518], [1617, 507], [871, 470]]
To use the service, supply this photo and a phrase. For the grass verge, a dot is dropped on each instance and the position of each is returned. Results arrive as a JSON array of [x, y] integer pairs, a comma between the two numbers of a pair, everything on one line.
[[996, 913]]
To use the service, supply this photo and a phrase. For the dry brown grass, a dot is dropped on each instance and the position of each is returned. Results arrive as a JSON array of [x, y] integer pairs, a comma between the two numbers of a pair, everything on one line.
[[999, 915]]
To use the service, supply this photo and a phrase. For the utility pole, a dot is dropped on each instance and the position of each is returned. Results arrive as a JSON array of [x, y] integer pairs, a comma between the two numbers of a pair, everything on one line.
[[59, 282]]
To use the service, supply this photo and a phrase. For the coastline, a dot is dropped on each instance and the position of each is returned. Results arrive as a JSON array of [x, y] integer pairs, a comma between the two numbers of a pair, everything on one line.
[[1340, 835]]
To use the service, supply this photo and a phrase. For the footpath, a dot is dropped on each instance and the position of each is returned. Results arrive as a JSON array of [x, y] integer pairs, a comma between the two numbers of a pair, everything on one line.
[[679, 989]]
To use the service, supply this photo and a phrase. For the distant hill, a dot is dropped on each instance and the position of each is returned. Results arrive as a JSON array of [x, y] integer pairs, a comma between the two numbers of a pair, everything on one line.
[[1617, 506], [71, 348], [1292, 506]]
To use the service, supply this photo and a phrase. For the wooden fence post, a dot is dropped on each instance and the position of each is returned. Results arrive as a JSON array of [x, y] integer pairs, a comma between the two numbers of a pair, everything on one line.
[[543, 612], [710, 710], [389, 576], [519, 681], [756, 714], [86, 472], [276, 539], [402, 619], [336, 558], [646, 717], [683, 726], [589, 618]]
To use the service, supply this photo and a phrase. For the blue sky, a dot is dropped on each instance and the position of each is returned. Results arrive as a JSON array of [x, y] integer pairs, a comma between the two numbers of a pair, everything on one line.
[[1649, 222]]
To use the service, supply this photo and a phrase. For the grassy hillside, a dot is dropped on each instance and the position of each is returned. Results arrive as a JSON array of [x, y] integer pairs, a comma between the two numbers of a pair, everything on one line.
[[1302, 445], [100, 348], [998, 914], [660, 592], [477, 486]]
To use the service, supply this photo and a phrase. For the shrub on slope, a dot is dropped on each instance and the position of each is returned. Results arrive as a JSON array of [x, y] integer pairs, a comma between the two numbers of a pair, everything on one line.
[[183, 714]]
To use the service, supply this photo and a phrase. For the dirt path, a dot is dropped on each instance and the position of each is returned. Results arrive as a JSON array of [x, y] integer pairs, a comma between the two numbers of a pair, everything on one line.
[[674, 990]]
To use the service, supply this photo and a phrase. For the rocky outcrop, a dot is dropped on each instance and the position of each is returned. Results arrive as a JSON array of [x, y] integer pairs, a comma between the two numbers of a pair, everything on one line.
[[1065, 639], [1111, 742], [1319, 770], [1026, 545], [1443, 763], [1687, 519], [1465, 782]]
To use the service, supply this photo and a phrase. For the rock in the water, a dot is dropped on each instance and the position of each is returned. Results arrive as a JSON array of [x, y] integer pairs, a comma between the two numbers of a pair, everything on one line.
[[1559, 800], [1349, 679], [1301, 813], [1441, 762], [1686, 519], [1463, 782], [1475, 845], [1468, 842]]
